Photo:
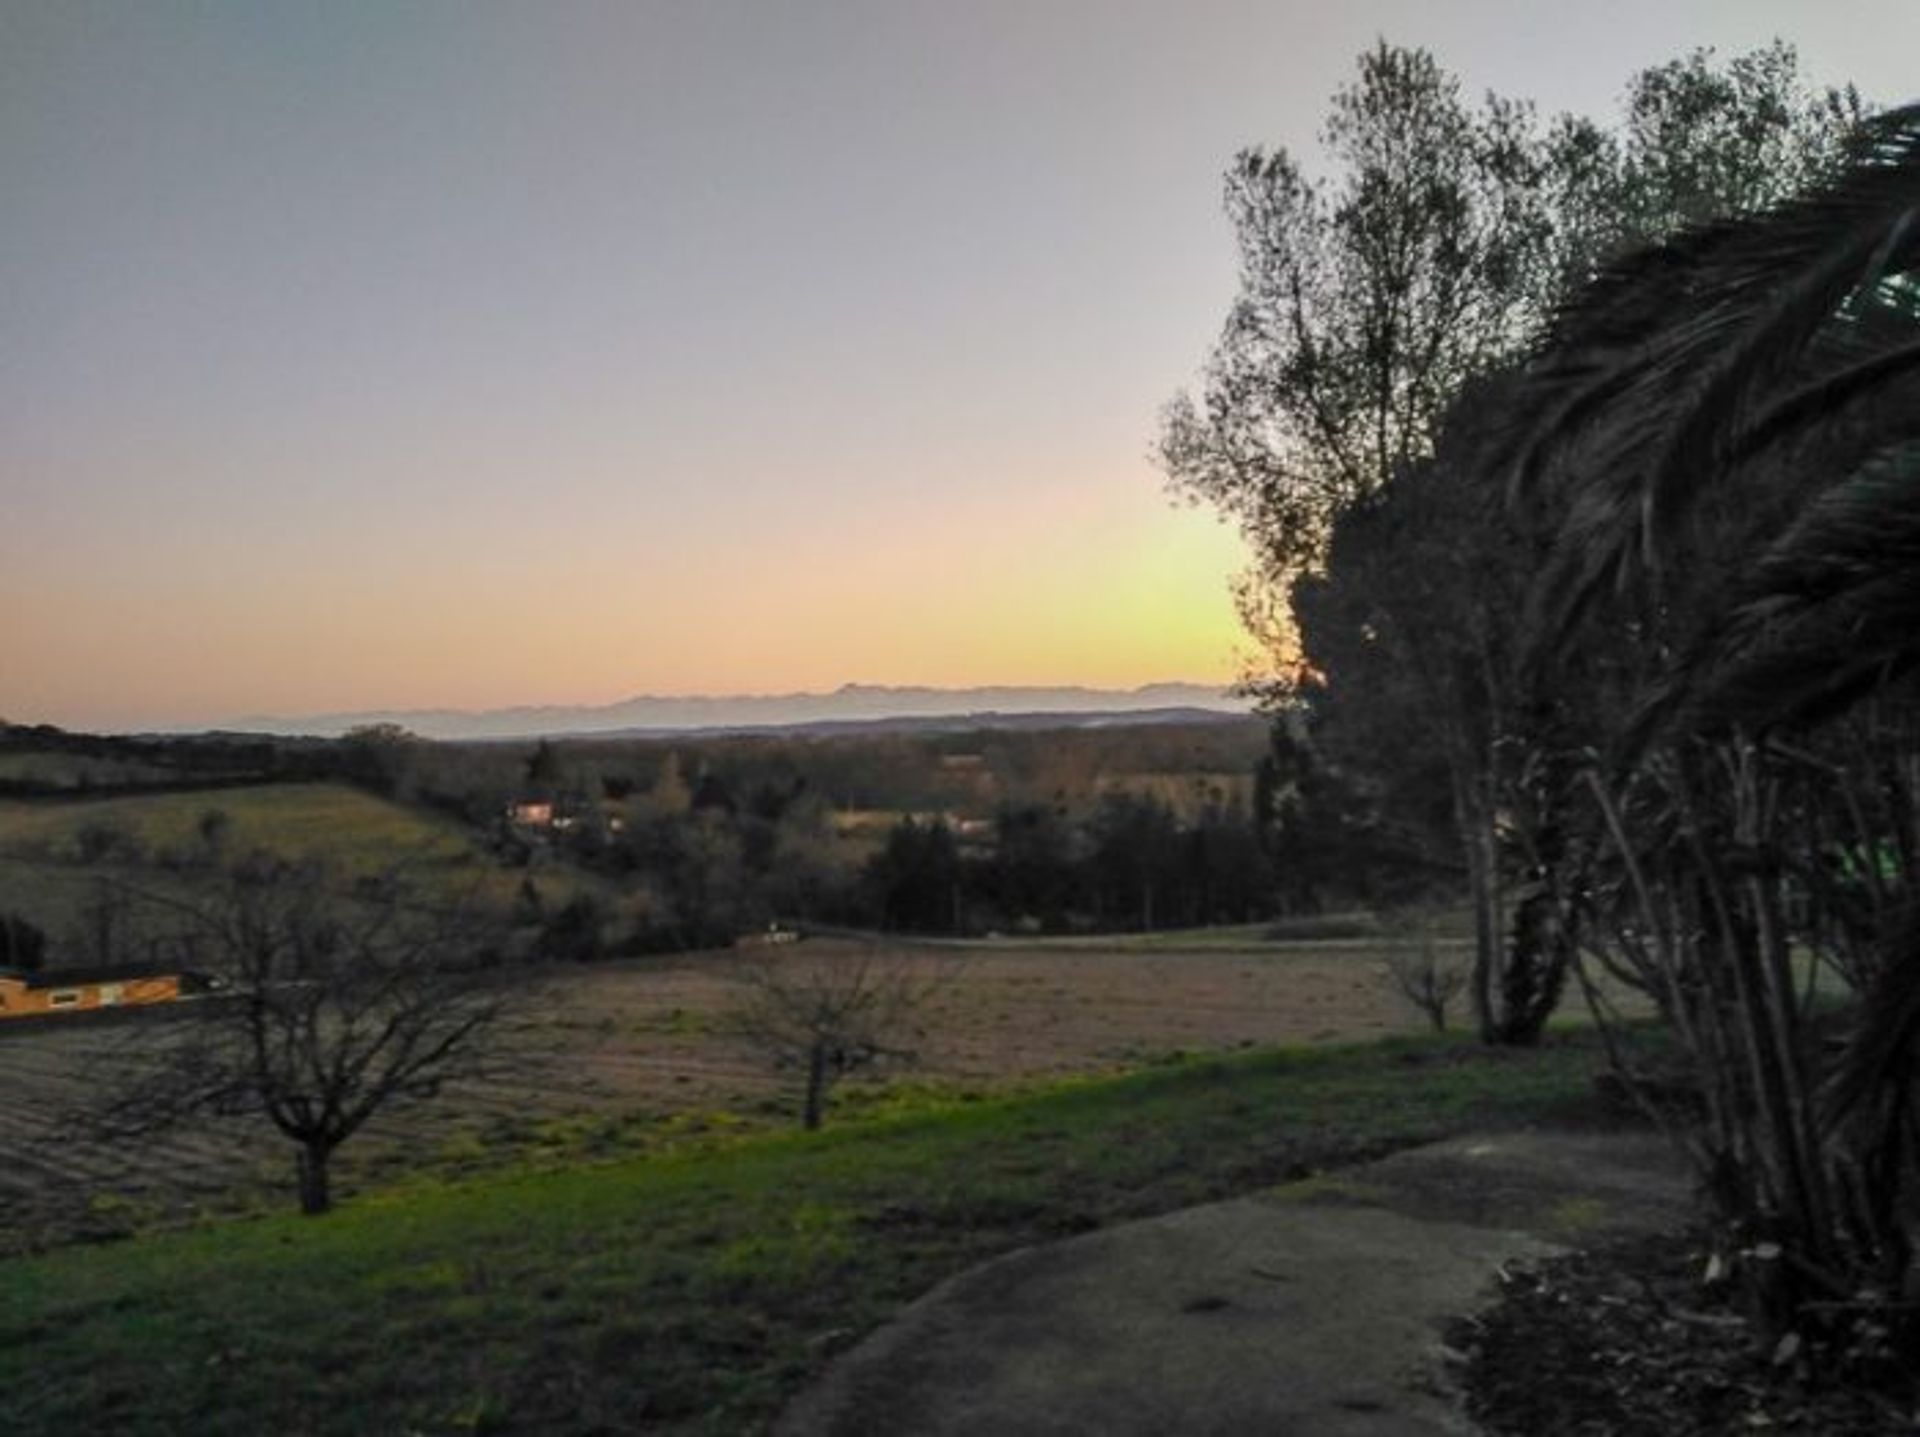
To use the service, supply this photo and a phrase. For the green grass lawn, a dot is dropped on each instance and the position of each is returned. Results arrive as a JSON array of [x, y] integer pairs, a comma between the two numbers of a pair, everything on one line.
[[693, 1290]]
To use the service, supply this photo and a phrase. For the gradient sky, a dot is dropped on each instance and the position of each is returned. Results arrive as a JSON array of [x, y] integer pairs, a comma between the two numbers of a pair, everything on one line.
[[384, 355]]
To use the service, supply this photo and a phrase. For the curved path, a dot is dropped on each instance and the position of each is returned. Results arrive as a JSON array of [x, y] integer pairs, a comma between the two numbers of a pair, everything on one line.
[[1313, 1310]]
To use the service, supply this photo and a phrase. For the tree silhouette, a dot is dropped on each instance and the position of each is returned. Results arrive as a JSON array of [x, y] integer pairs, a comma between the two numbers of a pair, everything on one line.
[[1728, 435], [330, 1007]]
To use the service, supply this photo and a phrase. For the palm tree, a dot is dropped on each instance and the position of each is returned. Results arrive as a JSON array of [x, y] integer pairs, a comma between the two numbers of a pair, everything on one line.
[[1751, 387], [1723, 435]]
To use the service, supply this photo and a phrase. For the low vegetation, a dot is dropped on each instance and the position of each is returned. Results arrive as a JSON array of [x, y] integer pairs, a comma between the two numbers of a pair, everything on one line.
[[693, 1290]]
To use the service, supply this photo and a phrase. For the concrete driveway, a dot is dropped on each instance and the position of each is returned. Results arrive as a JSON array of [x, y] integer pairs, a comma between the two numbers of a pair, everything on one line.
[[1313, 1310]]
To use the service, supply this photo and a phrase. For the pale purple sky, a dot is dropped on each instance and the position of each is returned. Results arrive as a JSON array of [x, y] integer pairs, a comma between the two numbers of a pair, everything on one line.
[[380, 355]]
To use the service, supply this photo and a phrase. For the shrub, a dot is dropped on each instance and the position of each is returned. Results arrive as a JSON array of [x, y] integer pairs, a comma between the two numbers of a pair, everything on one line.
[[573, 933]]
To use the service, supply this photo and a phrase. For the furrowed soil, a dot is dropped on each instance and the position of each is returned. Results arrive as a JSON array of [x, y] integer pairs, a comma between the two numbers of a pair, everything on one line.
[[625, 1057]]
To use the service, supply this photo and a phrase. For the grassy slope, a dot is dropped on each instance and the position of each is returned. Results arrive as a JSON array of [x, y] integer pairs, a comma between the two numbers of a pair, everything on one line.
[[359, 831], [288, 818], [692, 1291]]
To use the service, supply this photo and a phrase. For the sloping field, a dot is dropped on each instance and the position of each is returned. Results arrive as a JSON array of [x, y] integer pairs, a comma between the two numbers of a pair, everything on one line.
[[158, 847], [287, 818], [626, 1057]]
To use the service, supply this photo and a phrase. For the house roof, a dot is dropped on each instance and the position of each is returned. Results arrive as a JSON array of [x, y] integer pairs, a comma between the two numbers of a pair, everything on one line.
[[82, 975]]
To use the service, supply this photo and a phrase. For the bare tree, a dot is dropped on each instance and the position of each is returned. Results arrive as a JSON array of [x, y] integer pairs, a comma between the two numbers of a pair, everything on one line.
[[827, 1015], [1420, 975], [329, 1007]]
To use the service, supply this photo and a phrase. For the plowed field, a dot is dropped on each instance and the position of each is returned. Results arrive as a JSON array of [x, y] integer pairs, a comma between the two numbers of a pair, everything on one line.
[[624, 1056]]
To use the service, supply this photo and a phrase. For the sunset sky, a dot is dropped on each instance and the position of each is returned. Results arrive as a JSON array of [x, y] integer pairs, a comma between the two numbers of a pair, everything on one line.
[[390, 355]]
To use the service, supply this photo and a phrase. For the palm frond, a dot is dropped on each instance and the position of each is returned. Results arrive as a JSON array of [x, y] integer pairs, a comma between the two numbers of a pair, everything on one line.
[[1675, 363], [1837, 398], [1829, 610]]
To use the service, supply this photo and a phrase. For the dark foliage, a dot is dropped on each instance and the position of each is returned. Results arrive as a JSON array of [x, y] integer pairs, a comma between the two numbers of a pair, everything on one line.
[[1622, 1340], [22, 946], [1723, 433]]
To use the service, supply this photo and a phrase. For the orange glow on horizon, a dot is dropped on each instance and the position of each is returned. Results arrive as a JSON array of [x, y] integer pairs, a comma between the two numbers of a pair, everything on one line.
[[1104, 601]]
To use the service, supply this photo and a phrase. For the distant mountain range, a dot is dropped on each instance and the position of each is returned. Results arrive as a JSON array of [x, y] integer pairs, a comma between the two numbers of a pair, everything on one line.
[[851, 707]]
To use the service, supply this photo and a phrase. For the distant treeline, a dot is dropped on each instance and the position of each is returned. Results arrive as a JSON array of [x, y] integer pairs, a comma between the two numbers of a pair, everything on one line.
[[39, 760], [1072, 829], [692, 842], [851, 771], [702, 866], [963, 771], [1130, 863]]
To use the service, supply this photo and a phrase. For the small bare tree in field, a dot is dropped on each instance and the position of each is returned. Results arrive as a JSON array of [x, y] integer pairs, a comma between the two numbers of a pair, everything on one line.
[[329, 1007], [1420, 974], [827, 1015]]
